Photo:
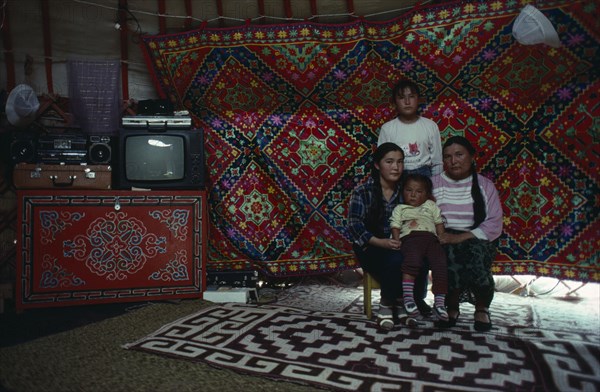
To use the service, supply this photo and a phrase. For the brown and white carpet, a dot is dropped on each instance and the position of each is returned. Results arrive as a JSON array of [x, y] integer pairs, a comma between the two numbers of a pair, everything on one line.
[[341, 350]]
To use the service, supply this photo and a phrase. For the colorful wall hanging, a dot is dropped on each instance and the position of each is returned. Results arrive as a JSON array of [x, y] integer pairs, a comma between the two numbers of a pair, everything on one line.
[[292, 112]]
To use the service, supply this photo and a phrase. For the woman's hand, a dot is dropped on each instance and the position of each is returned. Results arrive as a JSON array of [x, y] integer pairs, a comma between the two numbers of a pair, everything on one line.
[[394, 244]]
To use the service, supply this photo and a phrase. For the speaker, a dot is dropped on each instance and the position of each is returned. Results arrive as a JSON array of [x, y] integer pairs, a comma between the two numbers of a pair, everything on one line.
[[22, 148], [99, 150]]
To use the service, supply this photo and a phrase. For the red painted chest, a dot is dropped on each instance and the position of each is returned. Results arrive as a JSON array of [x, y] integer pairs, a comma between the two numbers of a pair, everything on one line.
[[80, 247]]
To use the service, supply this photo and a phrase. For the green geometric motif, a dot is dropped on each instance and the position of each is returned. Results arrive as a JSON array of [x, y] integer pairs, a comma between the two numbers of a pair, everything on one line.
[[448, 132], [525, 201], [301, 55], [447, 40], [256, 207], [529, 74], [314, 152]]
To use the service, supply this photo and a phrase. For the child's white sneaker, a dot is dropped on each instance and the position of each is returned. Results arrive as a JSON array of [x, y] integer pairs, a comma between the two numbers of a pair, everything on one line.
[[441, 313], [385, 317]]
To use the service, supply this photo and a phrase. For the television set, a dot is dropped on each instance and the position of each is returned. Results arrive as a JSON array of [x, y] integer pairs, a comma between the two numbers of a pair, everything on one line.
[[160, 159]]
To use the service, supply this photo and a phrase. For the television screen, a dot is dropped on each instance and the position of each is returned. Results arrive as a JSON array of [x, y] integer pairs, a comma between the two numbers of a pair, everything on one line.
[[160, 159], [155, 158]]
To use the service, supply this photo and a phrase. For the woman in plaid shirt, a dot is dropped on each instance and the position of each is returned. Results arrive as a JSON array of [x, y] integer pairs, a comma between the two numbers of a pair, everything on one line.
[[370, 208]]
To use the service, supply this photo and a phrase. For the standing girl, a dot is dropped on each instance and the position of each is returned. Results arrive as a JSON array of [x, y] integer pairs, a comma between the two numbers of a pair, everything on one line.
[[418, 136]]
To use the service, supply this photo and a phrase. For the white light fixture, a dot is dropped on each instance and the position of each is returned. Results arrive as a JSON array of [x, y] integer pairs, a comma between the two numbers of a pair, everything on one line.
[[532, 27], [21, 106]]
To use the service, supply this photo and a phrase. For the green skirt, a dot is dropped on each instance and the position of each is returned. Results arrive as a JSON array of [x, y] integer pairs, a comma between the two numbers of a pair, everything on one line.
[[470, 265]]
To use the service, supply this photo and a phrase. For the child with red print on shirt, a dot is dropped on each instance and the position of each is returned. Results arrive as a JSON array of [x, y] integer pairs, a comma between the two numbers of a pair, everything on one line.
[[417, 224]]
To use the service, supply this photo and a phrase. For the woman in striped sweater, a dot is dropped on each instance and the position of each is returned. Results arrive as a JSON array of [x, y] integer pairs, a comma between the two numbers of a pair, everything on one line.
[[472, 216]]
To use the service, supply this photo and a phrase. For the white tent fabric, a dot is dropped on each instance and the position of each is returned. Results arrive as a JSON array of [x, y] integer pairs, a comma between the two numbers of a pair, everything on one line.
[[85, 30]]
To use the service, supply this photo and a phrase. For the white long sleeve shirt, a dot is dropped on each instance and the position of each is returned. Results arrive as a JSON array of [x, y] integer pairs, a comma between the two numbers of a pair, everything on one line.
[[420, 142]]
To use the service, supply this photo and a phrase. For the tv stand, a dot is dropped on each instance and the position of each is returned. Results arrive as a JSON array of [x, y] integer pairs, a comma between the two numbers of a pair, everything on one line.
[[80, 247]]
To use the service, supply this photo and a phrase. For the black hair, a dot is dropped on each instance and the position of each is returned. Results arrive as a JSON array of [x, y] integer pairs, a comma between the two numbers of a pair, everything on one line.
[[380, 152], [405, 84], [479, 214], [421, 179], [376, 211]]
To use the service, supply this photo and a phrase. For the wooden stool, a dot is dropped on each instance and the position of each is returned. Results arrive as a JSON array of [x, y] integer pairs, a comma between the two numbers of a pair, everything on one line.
[[369, 283]]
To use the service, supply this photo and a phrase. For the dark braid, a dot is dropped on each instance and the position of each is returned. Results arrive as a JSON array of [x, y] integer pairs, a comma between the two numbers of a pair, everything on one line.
[[376, 212], [479, 214]]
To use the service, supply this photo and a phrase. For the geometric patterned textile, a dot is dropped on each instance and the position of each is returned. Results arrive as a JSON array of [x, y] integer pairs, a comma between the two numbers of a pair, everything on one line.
[[345, 351], [291, 113], [83, 247]]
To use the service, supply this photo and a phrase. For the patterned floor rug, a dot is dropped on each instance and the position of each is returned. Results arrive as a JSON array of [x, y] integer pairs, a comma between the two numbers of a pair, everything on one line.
[[320, 295], [344, 351]]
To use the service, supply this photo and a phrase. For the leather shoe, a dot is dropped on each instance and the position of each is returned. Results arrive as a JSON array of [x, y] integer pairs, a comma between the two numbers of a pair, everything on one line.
[[481, 326]]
